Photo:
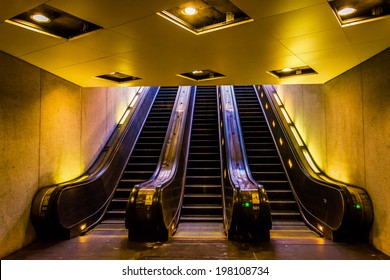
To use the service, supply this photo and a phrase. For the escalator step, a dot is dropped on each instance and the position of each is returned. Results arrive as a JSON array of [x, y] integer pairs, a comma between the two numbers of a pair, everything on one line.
[[145, 156], [263, 158]]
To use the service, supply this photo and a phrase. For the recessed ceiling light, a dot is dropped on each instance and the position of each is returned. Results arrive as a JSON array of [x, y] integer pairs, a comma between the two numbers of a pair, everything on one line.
[[210, 16], [189, 11], [202, 75], [48, 20], [360, 12], [346, 11], [118, 77], [290, 72], [40, 18]]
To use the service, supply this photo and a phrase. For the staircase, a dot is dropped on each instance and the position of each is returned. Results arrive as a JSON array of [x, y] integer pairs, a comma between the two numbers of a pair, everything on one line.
[[264, 160], [144, 159], [203, 192]]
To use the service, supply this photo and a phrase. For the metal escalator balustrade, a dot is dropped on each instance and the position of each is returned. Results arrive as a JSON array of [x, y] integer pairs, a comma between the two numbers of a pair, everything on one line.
[[203, 193], [264, 161], [146, 153], [153, 207], [247, 209], [335, 210]]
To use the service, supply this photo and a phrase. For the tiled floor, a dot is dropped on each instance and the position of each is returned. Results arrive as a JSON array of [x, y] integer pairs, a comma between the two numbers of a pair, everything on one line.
[[199, 241]]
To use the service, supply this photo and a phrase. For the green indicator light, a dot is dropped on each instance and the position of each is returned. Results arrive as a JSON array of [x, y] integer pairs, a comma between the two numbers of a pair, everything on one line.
[[247, 204], [358, 206]]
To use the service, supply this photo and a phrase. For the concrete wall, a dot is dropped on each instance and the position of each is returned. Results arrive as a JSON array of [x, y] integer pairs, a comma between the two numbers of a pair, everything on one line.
[[346, 125], [50, 131]]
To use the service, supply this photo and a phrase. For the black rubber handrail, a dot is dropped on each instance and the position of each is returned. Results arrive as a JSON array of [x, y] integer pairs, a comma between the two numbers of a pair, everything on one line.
[[337, 211], [68, 209], [153, 208], [246, 203]]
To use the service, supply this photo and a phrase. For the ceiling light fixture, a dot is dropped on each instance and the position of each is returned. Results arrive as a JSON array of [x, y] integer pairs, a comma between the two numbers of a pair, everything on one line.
[[202, 75], [210, 16], [189, 11], [293, 71], [40, 18], [360, 11], [346, 11], [50, 21], [118, 77]]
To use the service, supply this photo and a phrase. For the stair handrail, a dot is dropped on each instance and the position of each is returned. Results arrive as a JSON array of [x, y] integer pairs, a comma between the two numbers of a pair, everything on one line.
[[153, 207], [248, 209], [71, 208], [333, 209]]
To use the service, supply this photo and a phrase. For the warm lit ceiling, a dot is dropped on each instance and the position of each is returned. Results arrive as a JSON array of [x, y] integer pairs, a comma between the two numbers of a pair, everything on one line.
[[136, 41]]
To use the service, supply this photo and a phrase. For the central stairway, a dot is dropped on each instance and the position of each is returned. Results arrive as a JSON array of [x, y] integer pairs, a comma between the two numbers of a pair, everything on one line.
[[264, 162], [203, 192]]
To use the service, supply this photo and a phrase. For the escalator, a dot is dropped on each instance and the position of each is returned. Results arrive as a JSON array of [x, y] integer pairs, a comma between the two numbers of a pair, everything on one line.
[[144, 159], [203, 192], [264, 161]]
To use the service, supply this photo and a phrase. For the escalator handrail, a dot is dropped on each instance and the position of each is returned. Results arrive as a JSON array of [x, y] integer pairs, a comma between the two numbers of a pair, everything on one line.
[[350, 195], [102, 176], [150, 191], [238, 171]]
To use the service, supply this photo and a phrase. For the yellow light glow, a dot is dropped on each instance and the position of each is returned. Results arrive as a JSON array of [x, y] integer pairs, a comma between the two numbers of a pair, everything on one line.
[[133, 101], [346, 11], [262, 94], [278, 99], [287, 69], [197, 72], [83, 226], [297, 137], [40, 18], [287, 118], [290, 164], [320, 228], [281, 141], [189, 11], [273, 123], [310, 161], [123, 119], [266, 106]]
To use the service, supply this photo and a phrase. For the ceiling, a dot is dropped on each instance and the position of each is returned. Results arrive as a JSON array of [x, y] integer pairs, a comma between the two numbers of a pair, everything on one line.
[[136, 41]]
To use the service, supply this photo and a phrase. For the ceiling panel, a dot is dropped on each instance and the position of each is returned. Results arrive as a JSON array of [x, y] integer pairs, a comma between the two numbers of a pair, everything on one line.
[[368, 32], [316, 41], [62, 55], [135, 40], [158, 6], [339, 55], [85, 73], [9, 9], [264, 9], [145, 30], [367, 50], [300, 22], [18, 41], [110, 42], [106, 13]]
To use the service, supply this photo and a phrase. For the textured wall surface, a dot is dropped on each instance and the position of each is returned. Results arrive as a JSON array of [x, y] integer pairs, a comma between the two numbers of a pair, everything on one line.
[[306, 106], [349, 117], [375, 78], [51, 131], [19, 146]]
